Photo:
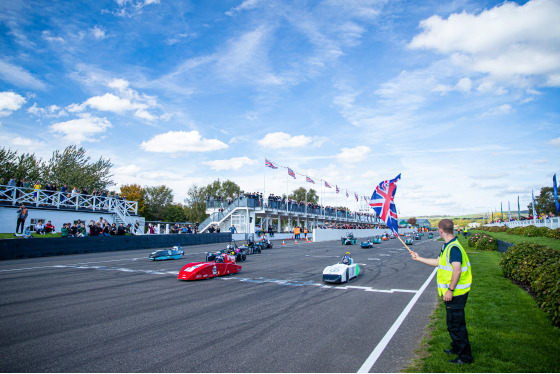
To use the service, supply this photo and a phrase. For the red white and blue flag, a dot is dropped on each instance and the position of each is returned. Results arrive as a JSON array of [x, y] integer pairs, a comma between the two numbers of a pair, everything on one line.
[[382, 201], [307, 179], [337, 189], [291, 173], [327, 185], [270, 164], [356, 196]]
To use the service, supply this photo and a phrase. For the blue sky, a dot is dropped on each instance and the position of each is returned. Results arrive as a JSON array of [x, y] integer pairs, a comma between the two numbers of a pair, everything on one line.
[[461, 97]]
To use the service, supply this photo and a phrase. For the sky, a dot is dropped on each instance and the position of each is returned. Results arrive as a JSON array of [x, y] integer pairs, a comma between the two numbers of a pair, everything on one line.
[[462, 98]]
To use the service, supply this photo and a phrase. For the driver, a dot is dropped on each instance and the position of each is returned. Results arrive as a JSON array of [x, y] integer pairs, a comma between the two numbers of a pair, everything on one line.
[[346, 259]]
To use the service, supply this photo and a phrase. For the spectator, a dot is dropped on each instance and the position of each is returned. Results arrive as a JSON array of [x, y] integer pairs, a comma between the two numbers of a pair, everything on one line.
[[49, 228], [64, 230], [175, 229], [21, 217], [40, 228], [82, 230], [106, 230], [73, 231], [113, 230], [121, 230], [92, 228], [27, 233], [232, 229]]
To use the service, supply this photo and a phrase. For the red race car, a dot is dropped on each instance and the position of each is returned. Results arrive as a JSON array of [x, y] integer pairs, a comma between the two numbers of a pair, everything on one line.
[[223, 264]]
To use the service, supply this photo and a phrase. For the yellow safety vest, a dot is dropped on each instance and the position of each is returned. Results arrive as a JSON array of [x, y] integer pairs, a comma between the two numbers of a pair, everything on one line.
[[445, 271]]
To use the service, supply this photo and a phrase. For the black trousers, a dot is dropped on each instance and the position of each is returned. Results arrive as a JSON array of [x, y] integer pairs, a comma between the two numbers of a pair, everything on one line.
[[21, 222], [457, 327]]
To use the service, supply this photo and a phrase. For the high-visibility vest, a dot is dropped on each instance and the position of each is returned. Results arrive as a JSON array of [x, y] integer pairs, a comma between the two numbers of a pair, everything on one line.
[[445, 271]]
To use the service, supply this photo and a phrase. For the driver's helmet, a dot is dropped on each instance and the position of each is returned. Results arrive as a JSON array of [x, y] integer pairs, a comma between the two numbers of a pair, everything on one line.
[[219, 258], [346, 259]]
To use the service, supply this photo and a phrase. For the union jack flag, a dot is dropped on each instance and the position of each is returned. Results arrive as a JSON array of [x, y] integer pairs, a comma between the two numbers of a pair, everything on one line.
[[291, 173], [270, 164], [307, 179], [337, 189], [382, 201], [327, 185], [356, 196]]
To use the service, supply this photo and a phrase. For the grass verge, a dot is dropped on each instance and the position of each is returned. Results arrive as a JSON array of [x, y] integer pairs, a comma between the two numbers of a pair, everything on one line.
[[549, 242], [507, 331]]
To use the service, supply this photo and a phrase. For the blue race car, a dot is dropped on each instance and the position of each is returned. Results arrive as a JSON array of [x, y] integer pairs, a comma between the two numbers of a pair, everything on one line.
[[174, 253]]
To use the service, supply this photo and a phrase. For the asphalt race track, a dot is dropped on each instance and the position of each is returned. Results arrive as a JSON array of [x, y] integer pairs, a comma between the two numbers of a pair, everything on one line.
[[120, 312]]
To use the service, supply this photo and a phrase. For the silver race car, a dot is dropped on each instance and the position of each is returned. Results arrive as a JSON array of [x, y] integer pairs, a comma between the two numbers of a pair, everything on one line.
[[341, 272]]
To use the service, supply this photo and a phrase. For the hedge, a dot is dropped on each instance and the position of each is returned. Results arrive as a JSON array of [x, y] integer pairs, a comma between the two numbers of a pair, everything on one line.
[[538, 267], [530, 231]]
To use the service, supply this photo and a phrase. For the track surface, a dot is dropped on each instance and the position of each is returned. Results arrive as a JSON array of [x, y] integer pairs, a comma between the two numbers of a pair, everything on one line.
[[120, 312]]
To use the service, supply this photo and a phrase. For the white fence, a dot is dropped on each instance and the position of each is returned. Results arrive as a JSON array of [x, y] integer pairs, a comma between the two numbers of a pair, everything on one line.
[[551, 223], [31, 197]]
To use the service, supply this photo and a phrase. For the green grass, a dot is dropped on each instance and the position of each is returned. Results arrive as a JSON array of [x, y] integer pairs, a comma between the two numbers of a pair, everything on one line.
[[507, 331], [549, 242], [11, 236]]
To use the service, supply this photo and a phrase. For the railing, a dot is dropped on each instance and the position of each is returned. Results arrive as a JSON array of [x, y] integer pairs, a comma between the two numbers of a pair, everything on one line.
[[280, 207], [59, 200], [551, 223]]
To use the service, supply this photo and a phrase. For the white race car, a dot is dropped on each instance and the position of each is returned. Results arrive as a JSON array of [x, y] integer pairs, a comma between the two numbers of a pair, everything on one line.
[[341, 272]]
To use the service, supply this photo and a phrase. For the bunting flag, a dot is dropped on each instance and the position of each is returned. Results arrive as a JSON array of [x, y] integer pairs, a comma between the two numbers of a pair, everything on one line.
[[356, 196], [555, 186], [518, 209], [501, 211], [337, 189], [291, 173], [534, 210], [270, 164], [509, 211], [382, 201], [327, 185], [347, 194], [307, 179]]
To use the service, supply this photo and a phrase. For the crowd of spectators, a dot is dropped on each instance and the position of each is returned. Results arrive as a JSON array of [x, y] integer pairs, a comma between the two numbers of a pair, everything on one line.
[[58, 196]]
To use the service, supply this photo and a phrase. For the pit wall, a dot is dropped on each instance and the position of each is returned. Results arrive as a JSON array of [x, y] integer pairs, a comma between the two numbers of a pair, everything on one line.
[[39, 247], [323, 235]]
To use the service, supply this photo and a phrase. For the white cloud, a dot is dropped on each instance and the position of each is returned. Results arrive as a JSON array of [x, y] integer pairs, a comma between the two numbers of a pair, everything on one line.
[[98, 32], [555, 142], [87, 128], [234, 163], [507, 42], [10, 102], [50, 111], [20, 77], [502, 109], [353, 155], [283, 140], [181, 141]]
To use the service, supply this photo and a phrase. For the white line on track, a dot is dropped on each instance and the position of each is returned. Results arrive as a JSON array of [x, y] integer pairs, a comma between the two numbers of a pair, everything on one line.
[[370, 361], [285, 282]]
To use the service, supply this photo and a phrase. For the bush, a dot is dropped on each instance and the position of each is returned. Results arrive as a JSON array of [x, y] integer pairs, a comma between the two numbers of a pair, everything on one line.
[[517, 231], [533, 231], [538, 267], [547, 288], [473, 239], [555, 234], [487, 243], [521, 260]]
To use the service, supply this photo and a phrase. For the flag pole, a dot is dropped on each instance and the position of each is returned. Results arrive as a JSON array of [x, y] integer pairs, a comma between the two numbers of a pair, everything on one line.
[[406, 246]]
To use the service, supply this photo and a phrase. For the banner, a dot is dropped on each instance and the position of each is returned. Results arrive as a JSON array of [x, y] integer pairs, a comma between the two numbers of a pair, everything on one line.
[[556, 194]]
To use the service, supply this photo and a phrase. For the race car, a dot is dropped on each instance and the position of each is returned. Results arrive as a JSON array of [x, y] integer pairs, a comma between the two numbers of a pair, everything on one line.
[[341, 272], [367, 244], [265, 241], [252, 247], [408, 241], [223, 264], [430, 236], [174, 253], [392, 236], [376, 240], [349, 239], [417, 237]]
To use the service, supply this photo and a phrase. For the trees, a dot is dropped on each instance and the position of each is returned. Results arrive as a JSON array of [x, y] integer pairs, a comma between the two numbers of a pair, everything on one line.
[[411, 221], [73, 168], [299, 195], [544, 203], [156, 199], [134, 192], [25, 166]]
